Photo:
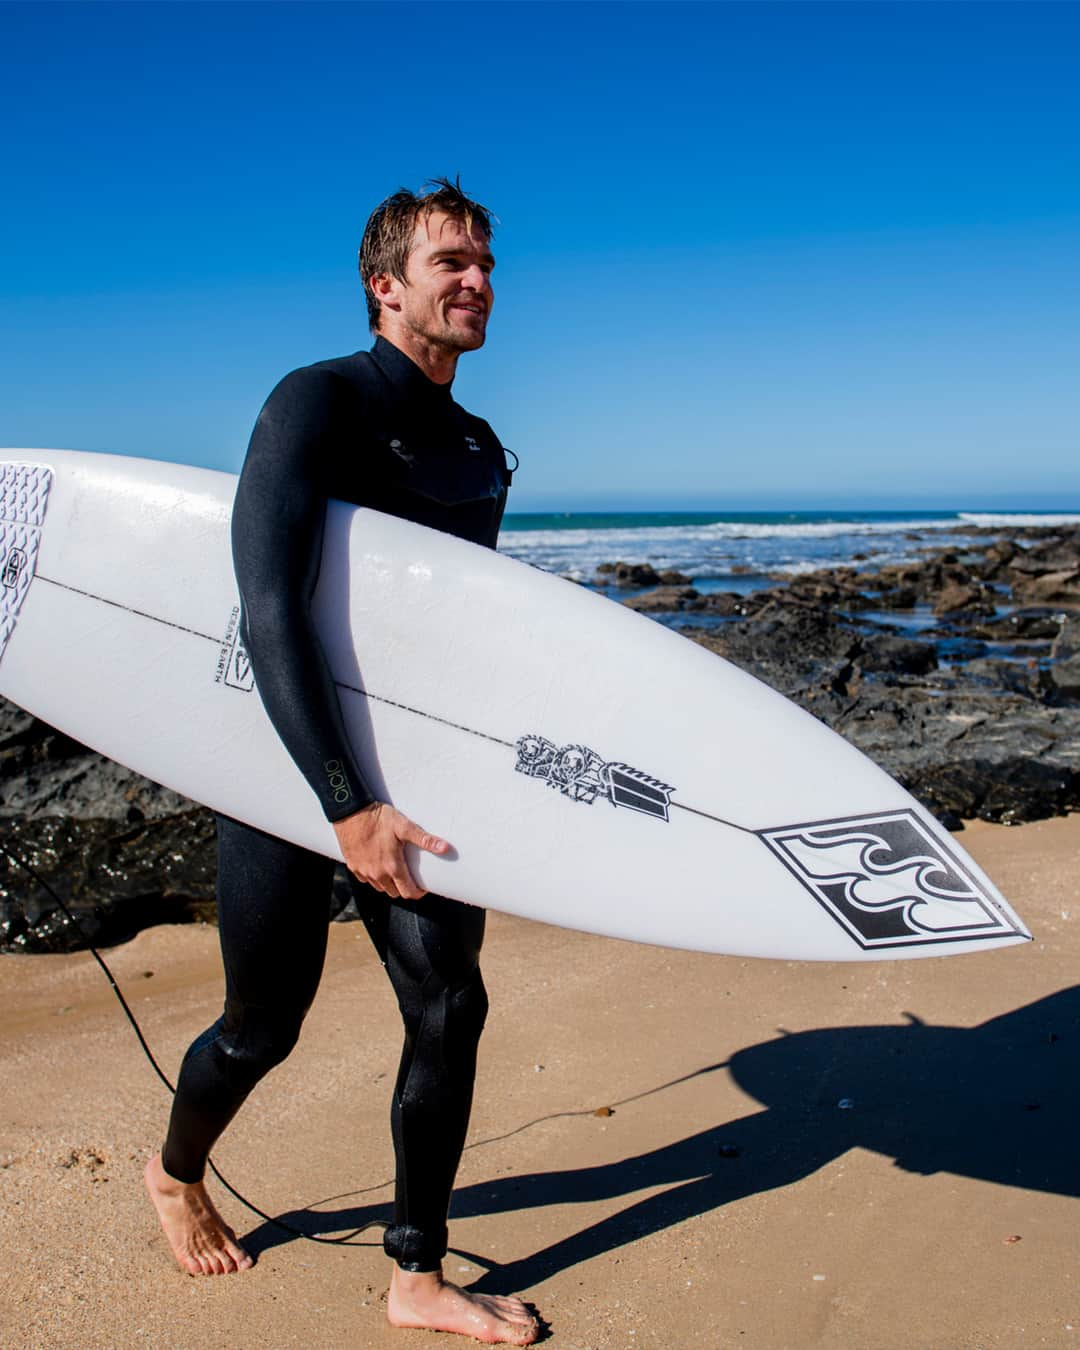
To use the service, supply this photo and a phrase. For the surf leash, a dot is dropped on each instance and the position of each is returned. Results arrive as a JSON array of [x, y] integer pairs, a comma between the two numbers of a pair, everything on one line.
[[346, 1241]]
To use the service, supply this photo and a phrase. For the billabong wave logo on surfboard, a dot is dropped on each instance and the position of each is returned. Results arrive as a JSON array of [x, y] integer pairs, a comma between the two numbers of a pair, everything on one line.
[[582, 775], [887, 880]]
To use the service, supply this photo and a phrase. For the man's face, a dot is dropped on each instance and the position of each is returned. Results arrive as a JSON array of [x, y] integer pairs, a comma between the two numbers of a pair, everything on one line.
[[447, 296]]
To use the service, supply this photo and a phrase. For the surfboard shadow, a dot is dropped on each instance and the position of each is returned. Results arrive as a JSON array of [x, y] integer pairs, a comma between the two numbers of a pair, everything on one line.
[[996, 1102]]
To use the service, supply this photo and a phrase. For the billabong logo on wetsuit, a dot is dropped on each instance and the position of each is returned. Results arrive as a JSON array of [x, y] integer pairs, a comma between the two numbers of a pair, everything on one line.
[[582, 775], [335, 777], [470, 444], [887, 880], [14, 566]]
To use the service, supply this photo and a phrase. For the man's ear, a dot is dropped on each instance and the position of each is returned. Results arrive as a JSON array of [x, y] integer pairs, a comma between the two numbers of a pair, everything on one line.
[[387, 290]]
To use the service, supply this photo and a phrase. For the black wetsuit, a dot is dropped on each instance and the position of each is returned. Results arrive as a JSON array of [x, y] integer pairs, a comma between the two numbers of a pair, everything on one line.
[[374, 430]]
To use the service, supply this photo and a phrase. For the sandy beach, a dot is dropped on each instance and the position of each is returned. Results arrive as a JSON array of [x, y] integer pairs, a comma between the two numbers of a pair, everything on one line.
[[668, 1150]]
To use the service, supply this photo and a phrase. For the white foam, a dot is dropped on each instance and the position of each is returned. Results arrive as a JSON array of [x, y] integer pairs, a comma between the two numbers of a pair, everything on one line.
[[727, 549], [994, 518]]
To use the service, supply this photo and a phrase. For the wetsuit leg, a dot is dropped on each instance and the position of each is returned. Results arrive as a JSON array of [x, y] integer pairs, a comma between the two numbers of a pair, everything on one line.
[[273, 914], [431, 949], [274, 901]]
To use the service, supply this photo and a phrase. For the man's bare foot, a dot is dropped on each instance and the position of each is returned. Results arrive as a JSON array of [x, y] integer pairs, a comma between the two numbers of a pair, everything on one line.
[[201, 1240], [427, 1300]]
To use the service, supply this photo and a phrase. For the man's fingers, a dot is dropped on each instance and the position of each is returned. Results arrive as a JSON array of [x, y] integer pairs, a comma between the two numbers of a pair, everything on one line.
[[401, 876], [411, 833], [430, 843], [373, 843]]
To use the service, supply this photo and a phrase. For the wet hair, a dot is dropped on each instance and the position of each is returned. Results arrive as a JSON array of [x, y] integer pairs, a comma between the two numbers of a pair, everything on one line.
[[388, 235]]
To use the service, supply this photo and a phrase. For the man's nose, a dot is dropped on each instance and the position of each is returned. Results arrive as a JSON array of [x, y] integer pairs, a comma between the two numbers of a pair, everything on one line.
[[476, 279]]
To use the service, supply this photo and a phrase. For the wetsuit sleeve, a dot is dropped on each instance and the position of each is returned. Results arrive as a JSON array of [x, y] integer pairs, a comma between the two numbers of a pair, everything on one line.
[[277, 534]]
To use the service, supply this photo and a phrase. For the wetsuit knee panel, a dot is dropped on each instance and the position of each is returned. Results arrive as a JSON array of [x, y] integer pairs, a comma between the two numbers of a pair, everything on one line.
[[468, 1008], [455, 1014], [256, 1042]]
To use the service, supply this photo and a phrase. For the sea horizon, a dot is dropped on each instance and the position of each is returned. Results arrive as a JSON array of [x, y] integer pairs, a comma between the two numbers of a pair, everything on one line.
[[612, 517], [740, 549]]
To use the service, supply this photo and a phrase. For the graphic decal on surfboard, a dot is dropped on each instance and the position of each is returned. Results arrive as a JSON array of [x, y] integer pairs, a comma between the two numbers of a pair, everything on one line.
[[582, 775], [234, 664], [24, 495], [887, 881]]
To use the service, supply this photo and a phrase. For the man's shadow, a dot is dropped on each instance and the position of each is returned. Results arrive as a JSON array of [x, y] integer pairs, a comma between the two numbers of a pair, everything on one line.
[[997, 1102]]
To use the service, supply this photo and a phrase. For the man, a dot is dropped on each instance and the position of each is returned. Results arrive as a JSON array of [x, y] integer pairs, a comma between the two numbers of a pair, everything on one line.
[[379, 429]]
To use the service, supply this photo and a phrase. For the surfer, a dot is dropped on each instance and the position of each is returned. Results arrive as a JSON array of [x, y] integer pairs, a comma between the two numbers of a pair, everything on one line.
[[379, 429]]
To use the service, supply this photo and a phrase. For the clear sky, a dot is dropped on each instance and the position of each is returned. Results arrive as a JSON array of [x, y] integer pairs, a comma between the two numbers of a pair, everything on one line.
[[749, 255]]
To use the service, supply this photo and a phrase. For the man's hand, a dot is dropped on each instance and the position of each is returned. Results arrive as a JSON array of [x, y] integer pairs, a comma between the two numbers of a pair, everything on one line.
[[373, 845]]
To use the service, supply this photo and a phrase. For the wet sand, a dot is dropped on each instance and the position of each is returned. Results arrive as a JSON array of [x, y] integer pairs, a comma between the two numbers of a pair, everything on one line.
[[668, 1150]]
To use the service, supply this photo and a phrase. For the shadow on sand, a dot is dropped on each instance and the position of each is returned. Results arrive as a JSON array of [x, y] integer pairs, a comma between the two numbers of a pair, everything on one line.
[[997, 1102]]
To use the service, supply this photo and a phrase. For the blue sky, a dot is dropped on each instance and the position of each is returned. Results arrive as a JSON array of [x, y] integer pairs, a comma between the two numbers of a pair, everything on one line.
[[750, 255]]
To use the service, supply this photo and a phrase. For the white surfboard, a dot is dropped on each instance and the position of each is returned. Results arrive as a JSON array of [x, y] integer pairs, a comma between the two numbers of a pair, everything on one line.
[[591, 768]]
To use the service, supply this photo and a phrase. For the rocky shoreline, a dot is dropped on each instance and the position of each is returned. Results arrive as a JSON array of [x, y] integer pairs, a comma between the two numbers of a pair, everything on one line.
[[958, 673]]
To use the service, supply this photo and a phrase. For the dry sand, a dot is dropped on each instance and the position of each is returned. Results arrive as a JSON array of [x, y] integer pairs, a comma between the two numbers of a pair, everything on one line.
[[729, 1200]]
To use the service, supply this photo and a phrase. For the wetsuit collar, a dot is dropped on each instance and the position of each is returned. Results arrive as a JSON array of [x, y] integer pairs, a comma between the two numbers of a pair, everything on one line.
[[405, 375]]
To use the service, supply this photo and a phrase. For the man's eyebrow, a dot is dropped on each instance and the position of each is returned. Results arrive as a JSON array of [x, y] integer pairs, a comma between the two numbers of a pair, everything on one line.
[[460, 253]]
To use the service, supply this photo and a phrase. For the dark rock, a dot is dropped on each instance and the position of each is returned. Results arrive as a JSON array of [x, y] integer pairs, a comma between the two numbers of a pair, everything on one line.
[[629, 574], [980, 743], [791, 649], [997, 558], [1026, 679], [836, 588], [885, 653], [963, 595], [665, 600], [1022, 625], [120, 851], [953, 790], [954, 650], [1048, 588], [893, 576], [899, 597], [1056, 552], [998, 756], [1066, 643], [114, 879], [670, 577], [1065, 656], [1026, 789], [1008, 793], [726, 603]]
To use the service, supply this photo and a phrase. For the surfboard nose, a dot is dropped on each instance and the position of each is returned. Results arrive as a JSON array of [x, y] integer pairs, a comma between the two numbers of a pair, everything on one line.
[[894, 880]]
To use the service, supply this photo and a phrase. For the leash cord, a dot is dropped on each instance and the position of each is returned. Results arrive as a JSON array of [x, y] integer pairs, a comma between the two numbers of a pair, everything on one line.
[[269, 1218]]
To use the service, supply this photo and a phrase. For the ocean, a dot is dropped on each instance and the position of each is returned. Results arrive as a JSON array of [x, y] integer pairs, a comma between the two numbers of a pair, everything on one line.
[[739, 551]]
